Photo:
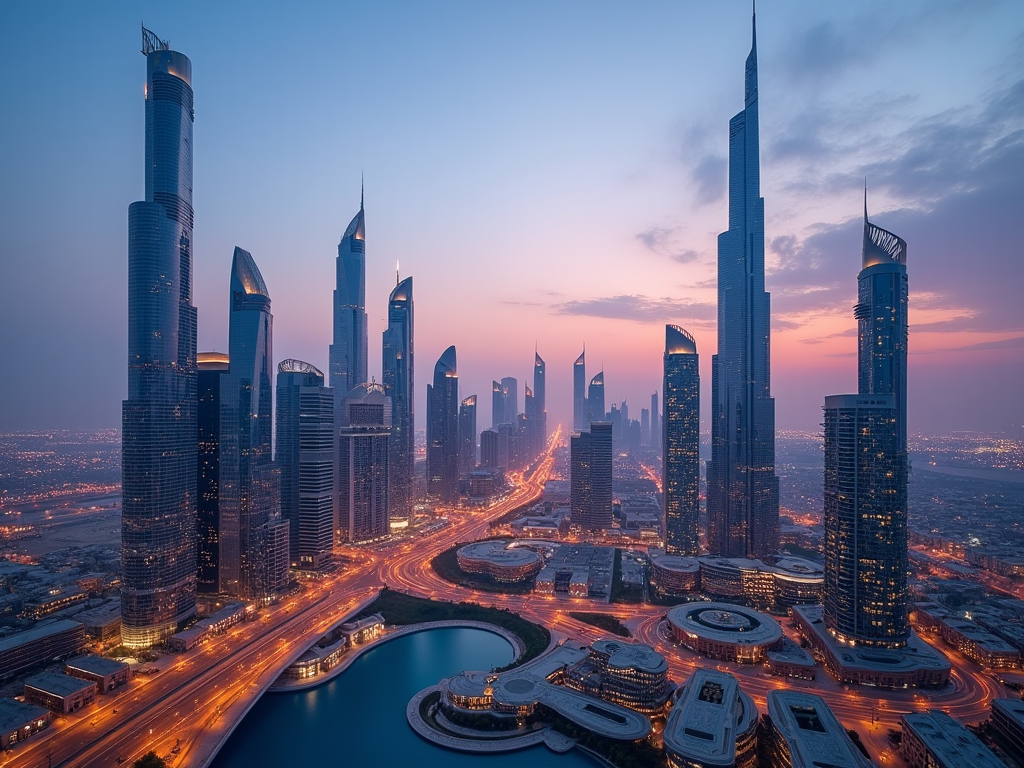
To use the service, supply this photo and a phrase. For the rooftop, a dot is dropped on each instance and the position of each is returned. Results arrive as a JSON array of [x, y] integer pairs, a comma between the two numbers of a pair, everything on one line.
[[14, 714], [58, 683], [1012, 708], [97, 665], [724, 622], [498, 552], [951, 742], [811, 731], [639, 656], [37, 633], [709, 714]]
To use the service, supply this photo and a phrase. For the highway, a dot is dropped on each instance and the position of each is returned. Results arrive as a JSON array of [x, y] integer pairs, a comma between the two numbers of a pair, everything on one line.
[[185, 711]]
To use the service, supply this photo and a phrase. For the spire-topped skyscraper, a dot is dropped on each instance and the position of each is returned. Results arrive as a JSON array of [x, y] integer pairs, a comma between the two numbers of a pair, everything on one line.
[[397, 359], [743, 491], [579, 392], [348, 368]]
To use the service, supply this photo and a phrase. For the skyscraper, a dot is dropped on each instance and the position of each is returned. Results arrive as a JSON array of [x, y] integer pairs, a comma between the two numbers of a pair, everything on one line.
[[743, 491], [489, 449], [363, 464], [510, 393], [655, 423], [304, 454], [398, 384], [249, 483], [595, 399], [212, 365], [159, 433], [443, 430], [348, 352], [866, 556], [540, 397], [579, 392], [681, 459], [497, 405], [467, 435], [590, 477]]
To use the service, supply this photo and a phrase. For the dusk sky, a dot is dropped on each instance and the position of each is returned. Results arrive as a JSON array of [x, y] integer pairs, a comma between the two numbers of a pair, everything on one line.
[[549, 173]]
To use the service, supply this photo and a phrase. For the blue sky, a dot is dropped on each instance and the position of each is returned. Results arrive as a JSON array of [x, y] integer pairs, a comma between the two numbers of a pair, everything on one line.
[[547, 172]]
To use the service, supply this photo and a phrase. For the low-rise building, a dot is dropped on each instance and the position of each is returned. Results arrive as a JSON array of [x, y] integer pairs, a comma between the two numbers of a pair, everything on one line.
[[800, 731], [674, 575], [713, 724], [363, 630], [631, 674], [18, 721], [60, 693], [22, 651], [724, 631], [578, 570], [61, 598], [102, 623], [1008, 726], [790, 660], [971, 639], [933, 739], [108, 674], [500, 559], [215, 624]]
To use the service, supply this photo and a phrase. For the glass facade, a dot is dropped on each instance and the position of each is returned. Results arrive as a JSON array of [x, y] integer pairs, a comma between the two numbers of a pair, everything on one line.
[[212, 365], [348, 352], [681, 460], [467, 435], [579, 392], [743, 491], [398, 384], [159, 438], [363, 464], [590, 477], [443, 430]]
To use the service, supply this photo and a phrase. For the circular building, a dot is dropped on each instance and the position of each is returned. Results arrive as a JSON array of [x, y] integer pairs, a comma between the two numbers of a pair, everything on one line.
[[674, 575], [724, 632], [502, 562]]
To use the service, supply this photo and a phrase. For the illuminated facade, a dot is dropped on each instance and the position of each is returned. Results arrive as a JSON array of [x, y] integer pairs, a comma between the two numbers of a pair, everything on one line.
[[540, 403], [304, 453], [467, 435], [681, 441], [212, 366], [159, 445], [595, 399], [713, 724], [579, 392], [510, 399], [398, 383], [443, 430], [724, 631], [348, 352], [743, 491], [590, 481], [865, 522], [800, 731], [630, 674], [362, 473]]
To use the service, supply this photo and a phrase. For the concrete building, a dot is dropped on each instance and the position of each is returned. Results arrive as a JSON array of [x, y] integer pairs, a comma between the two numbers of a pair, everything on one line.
[[800, 731], [672, 575], [108, 674], [503, 563], [577, 570], [933, 739], [633, 675], [725, 632], [1008, 726], [713, 724], [22, 651], [59, 693], [591, 477], [18, 721]]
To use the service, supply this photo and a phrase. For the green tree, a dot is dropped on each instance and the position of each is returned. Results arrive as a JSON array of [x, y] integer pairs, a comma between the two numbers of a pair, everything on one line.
[[150, 760]]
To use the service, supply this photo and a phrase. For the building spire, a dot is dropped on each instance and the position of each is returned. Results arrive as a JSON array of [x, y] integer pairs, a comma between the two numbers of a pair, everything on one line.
[[753, 26], [398, 273], [362, 189], [865, 199]]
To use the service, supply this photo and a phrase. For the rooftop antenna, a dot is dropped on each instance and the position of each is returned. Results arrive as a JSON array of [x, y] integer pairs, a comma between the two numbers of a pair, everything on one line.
[[150, 42], [398, 279], [865, 198]]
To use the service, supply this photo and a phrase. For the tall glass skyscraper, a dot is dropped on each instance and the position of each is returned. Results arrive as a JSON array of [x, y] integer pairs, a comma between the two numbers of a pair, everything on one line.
[[682, 442], [467, 435], [595, 399], [743, 491], [497, 405], [579, 392], [540, 402], [510, 393], [304, 454], [159, 433], [590, 477], [212, 366], [397, 378], [443, 430], [348, 352], [363, 464]]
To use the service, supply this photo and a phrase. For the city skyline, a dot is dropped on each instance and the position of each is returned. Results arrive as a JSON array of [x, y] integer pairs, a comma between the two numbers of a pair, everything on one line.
[[660, 169]]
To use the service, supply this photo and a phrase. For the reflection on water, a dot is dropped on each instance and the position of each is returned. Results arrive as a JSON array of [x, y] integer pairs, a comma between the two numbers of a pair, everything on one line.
[[359, 717]]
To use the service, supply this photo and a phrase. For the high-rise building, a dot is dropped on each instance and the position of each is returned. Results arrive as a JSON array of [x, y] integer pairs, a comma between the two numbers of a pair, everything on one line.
[[579, 392], [497, 405], [595, 399], [304, 454], [590, 479], [348, 352], [655, 423], [159, 433], [489, 449], [645, 426], [398, 384], [743, 491], [249, 483], [510, 394], [467, 435], [681, 440], [362, 485], [540, 388], [865, 519], [443, 430], [212, 365], [881, 314]]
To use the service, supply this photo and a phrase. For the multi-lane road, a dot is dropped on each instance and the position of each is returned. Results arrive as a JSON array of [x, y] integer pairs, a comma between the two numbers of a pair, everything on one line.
[[187, 710]]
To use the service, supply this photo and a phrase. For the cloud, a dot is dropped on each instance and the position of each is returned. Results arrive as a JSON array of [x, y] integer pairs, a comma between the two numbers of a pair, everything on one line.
[[710, 175], [642, 309], [1016, 342], [663, 242]]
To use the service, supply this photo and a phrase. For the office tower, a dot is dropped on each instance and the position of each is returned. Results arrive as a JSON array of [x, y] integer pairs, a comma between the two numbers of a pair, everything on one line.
[[489, 449], [655, 424], [497, 404], [579, 392], [595, 399], [467, 435], [681, 460], [510, 394], [212, 365], [743, 491], [540, 388], [505, 447], [881, 314], [159, 433], [304, 454], [443, 430], [865, 521], [365, 428], [249, 483], [590, 480], [348, 352], [645, 426], [398, 384]]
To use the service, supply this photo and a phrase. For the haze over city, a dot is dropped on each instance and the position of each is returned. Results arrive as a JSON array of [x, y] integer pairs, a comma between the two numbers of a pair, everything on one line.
[[552, 175]]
